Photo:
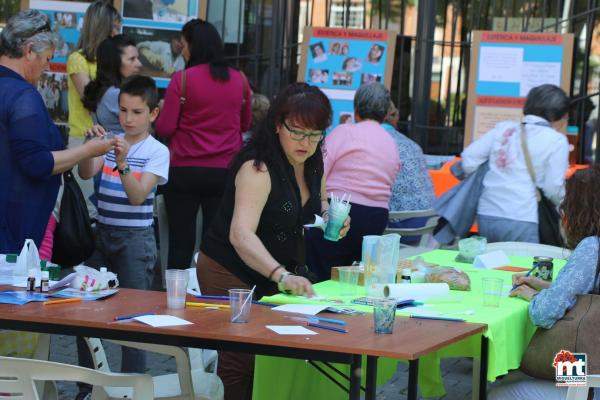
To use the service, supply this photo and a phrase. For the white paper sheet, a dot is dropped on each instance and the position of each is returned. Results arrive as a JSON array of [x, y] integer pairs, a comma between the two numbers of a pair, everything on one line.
[[500, 64], [490, 260], [158, 321], [416, 291], [539, 73], [307, 309], [290, 330]]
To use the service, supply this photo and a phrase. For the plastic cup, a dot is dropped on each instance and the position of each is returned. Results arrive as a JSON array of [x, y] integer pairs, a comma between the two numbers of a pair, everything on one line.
[[348, 280], [177, 280], [368, 248], [240, 301], [338, 212], [384, 314], [492, 291]]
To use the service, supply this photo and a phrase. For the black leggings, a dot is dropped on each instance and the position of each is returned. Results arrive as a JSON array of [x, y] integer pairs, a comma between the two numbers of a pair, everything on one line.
[[188, 189]]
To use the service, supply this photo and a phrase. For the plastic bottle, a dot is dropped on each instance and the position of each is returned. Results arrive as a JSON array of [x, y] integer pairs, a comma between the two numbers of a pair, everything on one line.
[[45, 282], [103, 278], [31, 280]]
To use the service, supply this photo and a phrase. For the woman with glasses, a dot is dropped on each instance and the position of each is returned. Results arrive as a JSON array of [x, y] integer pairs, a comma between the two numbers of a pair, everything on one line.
[[274, 188], [361, 161], [205, 133], [507, 209], [32, 154]]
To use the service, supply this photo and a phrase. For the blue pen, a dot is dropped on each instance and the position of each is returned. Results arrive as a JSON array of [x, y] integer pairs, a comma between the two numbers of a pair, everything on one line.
[[526, 275], [331, 328], [124, 317], [437, 318]]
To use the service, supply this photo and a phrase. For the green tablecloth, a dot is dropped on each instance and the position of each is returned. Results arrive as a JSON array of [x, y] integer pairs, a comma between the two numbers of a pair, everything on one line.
[[509, 331]]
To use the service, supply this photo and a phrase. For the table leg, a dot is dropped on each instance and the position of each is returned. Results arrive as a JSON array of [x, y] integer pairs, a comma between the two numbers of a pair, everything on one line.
[[370, 392], [483, 368], [413, 379], [355, 375]]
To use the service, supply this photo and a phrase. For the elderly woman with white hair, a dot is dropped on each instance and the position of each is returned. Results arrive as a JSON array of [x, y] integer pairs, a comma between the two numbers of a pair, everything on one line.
[[360, 160], [507, 209], [31, 146]]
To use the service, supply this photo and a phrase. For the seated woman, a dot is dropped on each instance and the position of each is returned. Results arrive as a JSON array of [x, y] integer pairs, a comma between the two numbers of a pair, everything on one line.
[[256, 238], [550, 301], [362, 160], [507, 209]]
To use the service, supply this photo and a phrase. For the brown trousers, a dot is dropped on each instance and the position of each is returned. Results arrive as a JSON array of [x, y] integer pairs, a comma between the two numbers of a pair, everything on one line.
[[236, 370]]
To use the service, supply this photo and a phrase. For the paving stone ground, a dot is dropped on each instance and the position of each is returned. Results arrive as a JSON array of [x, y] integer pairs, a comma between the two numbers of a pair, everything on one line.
[[456, 372]]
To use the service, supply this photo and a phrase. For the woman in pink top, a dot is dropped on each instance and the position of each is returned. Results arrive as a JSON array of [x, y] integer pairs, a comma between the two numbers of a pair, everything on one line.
[[360, 159], [204, 133]]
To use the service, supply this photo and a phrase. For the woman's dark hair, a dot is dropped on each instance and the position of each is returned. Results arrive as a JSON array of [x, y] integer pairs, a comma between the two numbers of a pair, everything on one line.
[[109, 70], [581, 206], [547, 101], [304, 105], [206, 47]]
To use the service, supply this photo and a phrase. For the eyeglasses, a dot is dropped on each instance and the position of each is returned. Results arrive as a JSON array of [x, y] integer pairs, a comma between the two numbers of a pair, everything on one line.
[[297, 135]]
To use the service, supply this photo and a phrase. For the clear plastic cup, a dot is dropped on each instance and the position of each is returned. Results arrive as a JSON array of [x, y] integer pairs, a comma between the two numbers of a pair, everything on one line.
[[384, 314], [240, 301], [492, 291], [348, 280], [338, 212], [177, 280]]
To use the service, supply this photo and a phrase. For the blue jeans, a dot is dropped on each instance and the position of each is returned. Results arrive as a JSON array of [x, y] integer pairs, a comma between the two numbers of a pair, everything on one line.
[[497, 229]]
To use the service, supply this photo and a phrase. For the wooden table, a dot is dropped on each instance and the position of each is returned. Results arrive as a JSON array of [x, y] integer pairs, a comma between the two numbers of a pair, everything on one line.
[[211, 329]]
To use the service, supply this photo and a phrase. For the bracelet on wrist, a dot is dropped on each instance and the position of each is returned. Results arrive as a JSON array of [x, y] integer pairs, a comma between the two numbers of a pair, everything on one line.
[[270, 277], [281, 282]]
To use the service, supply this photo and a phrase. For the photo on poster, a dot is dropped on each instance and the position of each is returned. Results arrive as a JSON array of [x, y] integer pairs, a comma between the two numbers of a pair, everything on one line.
[[68, 26], [342, 78], [346, 118], [351, 64], [365, 79], [318, 76], [160, 50], [338, 48], [53, 89], [375, 53], [317, 51], [157, 10]]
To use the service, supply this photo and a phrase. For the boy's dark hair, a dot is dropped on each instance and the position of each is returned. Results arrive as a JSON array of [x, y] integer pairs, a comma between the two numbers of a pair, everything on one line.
[[141, 86]]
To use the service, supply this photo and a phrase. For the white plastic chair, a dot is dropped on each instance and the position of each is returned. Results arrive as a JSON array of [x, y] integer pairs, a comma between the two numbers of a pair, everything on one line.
[[581, 392], [18, 377], [426, 231], [529, 249], [192, 380]]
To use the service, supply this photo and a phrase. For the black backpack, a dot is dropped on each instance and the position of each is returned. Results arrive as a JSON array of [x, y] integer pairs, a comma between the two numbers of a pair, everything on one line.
[[73, 238]]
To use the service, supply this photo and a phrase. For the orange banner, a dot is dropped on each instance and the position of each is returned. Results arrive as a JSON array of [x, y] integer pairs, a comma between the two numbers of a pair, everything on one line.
[[354, 34], [497, 101]]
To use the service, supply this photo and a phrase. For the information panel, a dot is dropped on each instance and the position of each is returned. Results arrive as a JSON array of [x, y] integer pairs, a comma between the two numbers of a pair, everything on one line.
[[340, 60], [506, 66]]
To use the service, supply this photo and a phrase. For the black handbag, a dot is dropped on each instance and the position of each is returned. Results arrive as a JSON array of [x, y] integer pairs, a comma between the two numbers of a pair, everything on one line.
[[548, 217], [73, 238]]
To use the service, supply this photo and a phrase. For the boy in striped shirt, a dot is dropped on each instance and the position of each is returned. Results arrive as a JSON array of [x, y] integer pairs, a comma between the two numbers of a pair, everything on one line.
[[130, 173]]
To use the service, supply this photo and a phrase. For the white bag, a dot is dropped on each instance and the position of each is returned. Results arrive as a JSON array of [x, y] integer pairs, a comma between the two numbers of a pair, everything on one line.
[[29, 258], [90, 279]]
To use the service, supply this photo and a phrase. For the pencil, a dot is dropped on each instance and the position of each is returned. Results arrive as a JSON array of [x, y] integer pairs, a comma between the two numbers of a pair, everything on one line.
[[193, 304], [526, 275], [61, 301]]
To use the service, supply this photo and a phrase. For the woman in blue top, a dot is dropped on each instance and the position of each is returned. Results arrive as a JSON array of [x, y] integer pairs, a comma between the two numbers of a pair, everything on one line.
[[551, 301], [31, 147]]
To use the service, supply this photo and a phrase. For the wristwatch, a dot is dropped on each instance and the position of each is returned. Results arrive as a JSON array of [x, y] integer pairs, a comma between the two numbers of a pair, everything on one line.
[[281, 281], [124, 171]]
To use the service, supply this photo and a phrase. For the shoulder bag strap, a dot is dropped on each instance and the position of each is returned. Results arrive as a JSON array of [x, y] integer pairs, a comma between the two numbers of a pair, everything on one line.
[[182, 95], [529, 163]]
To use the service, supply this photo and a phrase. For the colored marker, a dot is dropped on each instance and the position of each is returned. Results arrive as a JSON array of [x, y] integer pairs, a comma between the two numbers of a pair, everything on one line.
[[193, 304], [330, 328], [73, 300], [526, 275], [124, 317]]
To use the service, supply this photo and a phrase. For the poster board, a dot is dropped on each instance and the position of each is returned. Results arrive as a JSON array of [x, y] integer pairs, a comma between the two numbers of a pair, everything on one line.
[[155, 25], [339, 60], [66, 18], [504, 67]]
